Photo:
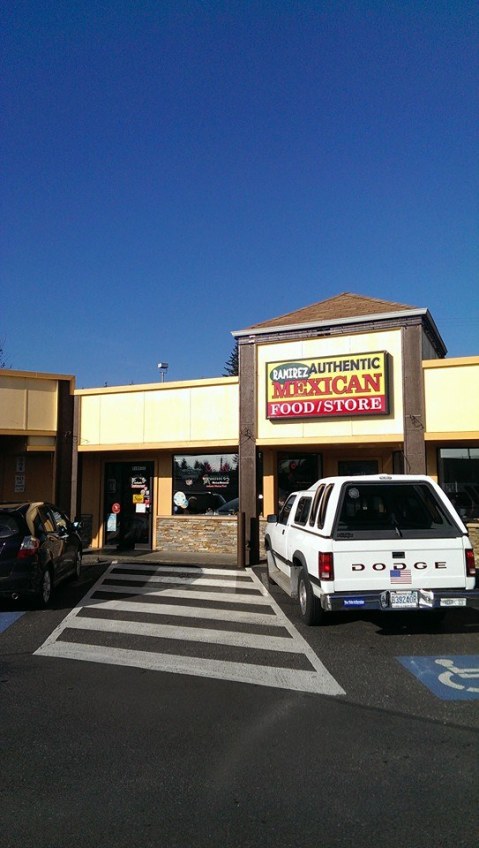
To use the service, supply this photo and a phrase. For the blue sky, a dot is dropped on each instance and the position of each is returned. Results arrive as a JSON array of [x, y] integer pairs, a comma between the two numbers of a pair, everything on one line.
[[176, 170]]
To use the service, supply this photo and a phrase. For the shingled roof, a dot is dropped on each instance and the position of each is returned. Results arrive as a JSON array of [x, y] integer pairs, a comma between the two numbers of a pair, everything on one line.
[[344, 305]]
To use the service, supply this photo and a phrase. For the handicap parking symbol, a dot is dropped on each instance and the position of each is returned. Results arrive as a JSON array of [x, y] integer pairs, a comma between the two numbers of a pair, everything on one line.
[[8, 618], [450, 678]]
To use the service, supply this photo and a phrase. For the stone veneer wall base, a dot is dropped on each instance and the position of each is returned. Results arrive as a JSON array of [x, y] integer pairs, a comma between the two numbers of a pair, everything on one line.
[[474, 537], [202, 533]]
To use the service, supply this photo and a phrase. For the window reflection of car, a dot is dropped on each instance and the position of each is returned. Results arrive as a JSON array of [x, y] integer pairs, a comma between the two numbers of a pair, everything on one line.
[[464, 504], [228, 508], [201, 503]]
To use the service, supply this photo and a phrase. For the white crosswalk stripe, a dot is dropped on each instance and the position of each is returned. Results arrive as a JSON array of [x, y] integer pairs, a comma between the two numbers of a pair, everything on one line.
[[218, 628]]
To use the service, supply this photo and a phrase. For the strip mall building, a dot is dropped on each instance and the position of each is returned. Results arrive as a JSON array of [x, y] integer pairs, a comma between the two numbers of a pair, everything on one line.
[[348, 385]]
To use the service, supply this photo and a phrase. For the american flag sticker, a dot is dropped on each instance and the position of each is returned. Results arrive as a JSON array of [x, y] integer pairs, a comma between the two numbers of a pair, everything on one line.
[[400, 575]]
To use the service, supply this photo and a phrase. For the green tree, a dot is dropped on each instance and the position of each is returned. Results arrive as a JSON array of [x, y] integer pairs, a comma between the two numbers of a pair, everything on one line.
[[231, 368]]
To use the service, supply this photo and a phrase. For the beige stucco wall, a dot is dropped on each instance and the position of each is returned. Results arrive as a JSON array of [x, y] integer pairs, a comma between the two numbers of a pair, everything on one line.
[[187, 414], [451, 389], [35, 436], [331, 430], [29, 404]]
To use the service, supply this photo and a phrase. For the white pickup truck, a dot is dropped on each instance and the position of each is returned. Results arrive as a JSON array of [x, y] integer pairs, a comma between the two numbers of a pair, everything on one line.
[[379, 542]]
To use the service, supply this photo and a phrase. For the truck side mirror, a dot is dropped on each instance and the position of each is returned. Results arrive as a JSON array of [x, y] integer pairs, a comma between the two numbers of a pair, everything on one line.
[[272, 519]]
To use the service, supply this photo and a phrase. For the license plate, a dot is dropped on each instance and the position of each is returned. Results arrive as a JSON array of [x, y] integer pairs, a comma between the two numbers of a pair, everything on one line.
[[452, 602], [403, 600]]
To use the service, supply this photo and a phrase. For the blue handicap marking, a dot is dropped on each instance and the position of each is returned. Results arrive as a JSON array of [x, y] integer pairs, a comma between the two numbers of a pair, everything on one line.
[[450, 678], [8, 618]]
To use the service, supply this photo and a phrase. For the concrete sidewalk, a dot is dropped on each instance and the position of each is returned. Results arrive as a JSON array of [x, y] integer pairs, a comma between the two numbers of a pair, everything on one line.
[[106, 556]]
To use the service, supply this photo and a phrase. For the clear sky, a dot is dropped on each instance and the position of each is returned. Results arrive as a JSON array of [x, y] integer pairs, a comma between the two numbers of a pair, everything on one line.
[[176, 170]]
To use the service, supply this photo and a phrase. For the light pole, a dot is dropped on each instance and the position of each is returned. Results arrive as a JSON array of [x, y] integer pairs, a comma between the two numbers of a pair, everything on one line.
[[163, 368]]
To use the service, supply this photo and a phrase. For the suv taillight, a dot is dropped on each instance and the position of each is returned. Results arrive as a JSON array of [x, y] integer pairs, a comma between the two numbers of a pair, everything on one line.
[[325, 566], [470, 563], [28, 548]]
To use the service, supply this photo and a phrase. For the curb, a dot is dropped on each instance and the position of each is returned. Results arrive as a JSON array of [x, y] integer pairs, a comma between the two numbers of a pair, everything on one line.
[[102, 557]]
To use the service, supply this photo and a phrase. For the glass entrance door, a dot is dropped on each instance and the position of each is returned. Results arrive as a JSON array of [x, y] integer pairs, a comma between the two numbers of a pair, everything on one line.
[[127, 504]]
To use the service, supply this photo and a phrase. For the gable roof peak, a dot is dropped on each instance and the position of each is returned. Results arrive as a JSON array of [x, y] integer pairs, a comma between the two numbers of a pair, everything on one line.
[[343, 305]]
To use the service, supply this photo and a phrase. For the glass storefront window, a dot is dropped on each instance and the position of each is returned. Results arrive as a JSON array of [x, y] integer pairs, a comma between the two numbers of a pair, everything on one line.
[[459, 477], [297, 471], [357, 467], [205, 484]]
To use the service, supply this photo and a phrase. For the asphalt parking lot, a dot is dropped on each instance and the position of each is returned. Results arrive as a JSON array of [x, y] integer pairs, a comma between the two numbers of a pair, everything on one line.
[[168, 704]]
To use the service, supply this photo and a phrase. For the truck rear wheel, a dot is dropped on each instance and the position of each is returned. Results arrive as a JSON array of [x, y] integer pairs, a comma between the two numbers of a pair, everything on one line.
[[309, 605]]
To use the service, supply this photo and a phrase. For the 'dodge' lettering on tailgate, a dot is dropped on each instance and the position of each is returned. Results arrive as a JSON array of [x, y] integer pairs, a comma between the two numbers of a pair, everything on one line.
[[381, 566]]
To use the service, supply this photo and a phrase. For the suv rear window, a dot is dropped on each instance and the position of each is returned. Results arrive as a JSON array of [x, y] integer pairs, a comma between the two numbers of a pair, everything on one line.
[[392, 510], [8, 526]]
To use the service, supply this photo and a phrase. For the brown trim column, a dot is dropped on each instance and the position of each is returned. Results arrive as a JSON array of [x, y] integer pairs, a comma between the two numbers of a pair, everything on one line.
[[413, 400], [75, 479], [64, 447], [247, 447]]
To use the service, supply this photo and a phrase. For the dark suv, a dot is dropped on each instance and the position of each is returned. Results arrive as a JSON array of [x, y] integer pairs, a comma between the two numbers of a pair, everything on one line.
[[39, 547]]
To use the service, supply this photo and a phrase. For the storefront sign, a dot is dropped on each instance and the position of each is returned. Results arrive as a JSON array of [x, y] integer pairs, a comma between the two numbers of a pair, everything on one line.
[[138, 482], [216, 481], [19, 482], [347, 385]]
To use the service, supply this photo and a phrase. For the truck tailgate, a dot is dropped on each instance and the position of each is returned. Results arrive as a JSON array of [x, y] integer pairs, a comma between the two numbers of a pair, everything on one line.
[[377, 564]]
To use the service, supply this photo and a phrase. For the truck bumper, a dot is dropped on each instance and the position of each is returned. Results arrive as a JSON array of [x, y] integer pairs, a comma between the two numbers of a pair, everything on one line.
[[391, 600]]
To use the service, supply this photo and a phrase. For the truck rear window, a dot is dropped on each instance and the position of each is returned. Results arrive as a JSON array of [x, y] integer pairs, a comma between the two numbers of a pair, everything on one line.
[[392, 510]]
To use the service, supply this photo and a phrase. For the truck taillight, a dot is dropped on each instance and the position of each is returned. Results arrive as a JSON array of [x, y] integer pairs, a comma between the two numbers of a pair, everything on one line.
[[28, 548], [325, 566], [470, 563]]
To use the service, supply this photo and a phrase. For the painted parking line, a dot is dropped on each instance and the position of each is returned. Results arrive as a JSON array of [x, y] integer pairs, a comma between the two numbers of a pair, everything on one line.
[[9, 618], [185, 618], [451, 678]]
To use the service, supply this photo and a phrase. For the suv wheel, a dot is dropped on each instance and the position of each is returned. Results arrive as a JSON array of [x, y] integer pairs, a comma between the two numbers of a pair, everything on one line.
[[77, 566], [46, 588]]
